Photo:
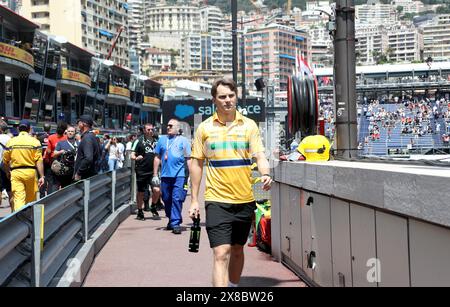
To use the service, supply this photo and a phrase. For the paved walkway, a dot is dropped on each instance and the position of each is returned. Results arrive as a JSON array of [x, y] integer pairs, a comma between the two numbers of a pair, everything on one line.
[[144, 254]]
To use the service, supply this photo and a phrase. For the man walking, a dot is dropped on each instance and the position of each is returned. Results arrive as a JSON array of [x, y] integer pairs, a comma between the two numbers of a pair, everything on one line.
[[172, 150], [20, 161], [228, 142], [143, 152], [88, 151]]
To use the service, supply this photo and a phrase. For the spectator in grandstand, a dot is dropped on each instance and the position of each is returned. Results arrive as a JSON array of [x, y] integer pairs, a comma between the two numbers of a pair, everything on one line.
[[446, 139]]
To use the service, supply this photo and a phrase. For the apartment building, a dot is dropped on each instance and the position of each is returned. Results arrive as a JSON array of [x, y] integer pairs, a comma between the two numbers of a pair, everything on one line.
[[405, 43], [436, 39], [409, 6], [166, 25], [270, 53], [311, 5], [321, 45], [89, 24], [212, 52], [211, 19], [156, 60], [372, 41], [135, 23], [376, 13], [11, 4]]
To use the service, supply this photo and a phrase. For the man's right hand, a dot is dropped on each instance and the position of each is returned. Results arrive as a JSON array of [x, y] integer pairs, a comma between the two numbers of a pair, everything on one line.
[[139, 158], [156, 182], [194, 210]]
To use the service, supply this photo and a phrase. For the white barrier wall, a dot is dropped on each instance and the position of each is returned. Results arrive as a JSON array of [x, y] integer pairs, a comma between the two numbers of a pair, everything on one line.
[[352, 224]]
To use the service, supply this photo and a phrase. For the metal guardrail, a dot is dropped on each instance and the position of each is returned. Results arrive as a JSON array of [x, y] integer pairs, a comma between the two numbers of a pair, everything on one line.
[[36, 243]]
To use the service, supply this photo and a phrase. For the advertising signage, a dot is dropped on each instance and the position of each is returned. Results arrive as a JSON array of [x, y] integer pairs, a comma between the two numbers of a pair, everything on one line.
[[16, 53], [76, 76], [185, 110]]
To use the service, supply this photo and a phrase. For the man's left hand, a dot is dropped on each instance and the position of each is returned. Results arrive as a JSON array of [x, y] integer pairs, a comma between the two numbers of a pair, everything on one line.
[[77, 177], [41, 182], [267, 182]]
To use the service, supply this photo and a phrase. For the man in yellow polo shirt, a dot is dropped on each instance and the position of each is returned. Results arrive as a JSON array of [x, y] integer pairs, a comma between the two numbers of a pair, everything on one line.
[[228, 142], [21, 160]]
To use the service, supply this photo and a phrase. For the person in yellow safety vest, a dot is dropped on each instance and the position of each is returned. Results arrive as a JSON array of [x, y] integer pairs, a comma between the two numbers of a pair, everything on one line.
[[21, 160]]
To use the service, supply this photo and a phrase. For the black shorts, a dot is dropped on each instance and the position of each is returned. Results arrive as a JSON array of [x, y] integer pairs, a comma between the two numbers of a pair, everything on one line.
[[5, 183], [143, 182], [228, 224]]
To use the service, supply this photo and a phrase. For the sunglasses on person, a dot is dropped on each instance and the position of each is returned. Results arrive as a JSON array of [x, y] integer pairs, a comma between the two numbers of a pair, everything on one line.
[[169, 126]]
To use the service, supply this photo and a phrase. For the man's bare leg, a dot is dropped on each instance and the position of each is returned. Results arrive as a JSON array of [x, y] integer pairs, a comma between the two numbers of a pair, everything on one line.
[[220, 267], [236, 266]]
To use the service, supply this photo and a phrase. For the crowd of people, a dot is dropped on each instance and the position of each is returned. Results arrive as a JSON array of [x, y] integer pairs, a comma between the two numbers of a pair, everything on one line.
[[70, 154], [415, 116], [228, 142]]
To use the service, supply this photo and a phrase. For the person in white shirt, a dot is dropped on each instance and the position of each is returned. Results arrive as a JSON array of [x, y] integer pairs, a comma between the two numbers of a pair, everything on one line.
[[113, 151], [5, 183], [121, 149]]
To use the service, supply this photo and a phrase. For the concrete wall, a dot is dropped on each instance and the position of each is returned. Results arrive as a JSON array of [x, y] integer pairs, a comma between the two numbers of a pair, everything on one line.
[[363, 224]]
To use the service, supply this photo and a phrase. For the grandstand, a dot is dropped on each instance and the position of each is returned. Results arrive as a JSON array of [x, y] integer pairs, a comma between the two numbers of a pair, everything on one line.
[[382, 135], [385, 125]]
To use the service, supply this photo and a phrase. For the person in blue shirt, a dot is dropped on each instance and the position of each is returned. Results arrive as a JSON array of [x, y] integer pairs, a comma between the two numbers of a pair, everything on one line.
[[174, 152]]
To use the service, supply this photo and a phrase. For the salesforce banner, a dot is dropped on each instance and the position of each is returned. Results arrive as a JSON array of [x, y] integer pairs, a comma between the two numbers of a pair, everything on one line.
[[185, 110]]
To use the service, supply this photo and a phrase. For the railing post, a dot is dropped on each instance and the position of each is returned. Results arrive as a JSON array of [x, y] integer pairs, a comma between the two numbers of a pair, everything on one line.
[[113, 190], [133, 182], [38, 232], [87, 194]]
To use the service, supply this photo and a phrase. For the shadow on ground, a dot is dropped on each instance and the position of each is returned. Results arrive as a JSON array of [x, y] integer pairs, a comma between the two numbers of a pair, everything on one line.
[[253, 281]]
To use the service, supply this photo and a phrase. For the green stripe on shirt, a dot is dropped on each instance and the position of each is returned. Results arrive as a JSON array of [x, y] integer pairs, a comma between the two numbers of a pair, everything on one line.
[[229, 145]]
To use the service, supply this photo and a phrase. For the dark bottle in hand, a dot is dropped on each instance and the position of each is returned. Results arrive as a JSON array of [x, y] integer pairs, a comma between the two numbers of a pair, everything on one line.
[[194, 241]]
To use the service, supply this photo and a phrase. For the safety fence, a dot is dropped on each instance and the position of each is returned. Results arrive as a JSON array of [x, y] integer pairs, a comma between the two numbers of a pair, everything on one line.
[[37, 243]]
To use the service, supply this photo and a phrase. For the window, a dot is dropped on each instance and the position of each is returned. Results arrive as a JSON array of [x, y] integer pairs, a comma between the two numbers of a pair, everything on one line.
[[40, 15]]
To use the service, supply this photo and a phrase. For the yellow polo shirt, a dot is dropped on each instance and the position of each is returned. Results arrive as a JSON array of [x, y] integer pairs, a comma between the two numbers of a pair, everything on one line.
[[23, 151], [228, 151]]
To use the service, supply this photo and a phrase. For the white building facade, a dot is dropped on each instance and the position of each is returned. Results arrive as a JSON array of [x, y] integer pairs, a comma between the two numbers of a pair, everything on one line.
[[213, 52], [376, 13], [436, 39], [405, 44]]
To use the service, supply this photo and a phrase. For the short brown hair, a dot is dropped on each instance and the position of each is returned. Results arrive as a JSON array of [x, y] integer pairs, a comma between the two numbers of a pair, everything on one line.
[[225, 82]]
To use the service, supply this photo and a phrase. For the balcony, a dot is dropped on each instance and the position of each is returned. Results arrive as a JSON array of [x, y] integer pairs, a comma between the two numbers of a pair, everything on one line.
[[74, 81], [15, 61], [151, 103], [118, 95]]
